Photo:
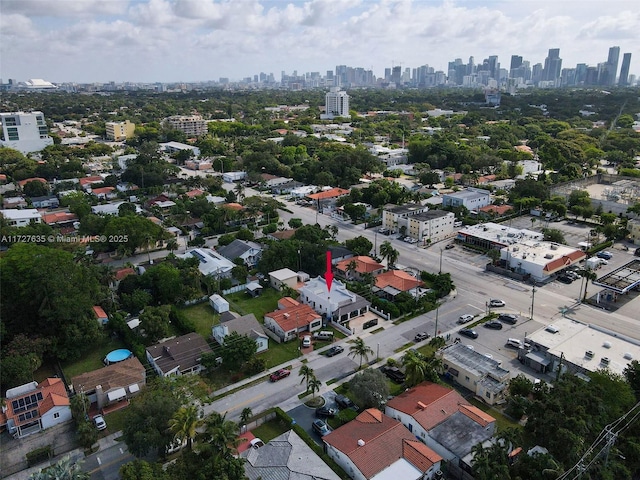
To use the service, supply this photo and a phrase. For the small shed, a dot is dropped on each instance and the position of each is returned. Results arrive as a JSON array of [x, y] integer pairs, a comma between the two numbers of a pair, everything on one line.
[[218, 303], [254, 289]]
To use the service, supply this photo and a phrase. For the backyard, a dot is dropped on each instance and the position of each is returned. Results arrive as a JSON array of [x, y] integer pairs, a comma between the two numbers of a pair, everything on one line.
[[92, 360]]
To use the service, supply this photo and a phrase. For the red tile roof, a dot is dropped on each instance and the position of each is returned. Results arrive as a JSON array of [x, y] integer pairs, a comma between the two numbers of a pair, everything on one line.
[[333, 193], [364, 264], [497, 209], [477, 415], [286, 302], [88, 180], [429, 403], [233, 206], [22, 183], [291, 318], [53, 392], [399, 280], [124, 272], [100, 313], [564, 261], [374, 441], [102, 190], [58, 217], [195, 193]]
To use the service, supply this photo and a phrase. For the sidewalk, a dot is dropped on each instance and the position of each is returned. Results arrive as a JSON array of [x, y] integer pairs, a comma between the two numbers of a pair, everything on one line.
[[76, 454]]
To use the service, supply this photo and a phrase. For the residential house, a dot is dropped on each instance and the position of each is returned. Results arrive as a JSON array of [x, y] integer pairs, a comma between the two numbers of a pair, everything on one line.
[[111, 208], [22, 183], [245, 325], [21, 218], [354, 268], [35, 406], [87, 182], [100, 314], [249, 252], [178, 356], [442, 419], [338, 304], [339, 253], [120, 274], [211, 262], [491, 211], [282, 234], [327, 198], [60, 219], [286, 187], [470, 198], [105, 193], [286, 457], [111, 384], [283, 277], [46, 201], [14, 202], [476, 372], [391, 283], [395, 218], [376, 446], [291, 318]]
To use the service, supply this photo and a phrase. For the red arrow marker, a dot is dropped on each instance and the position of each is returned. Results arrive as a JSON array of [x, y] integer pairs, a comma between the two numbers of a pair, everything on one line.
[[328, 275]]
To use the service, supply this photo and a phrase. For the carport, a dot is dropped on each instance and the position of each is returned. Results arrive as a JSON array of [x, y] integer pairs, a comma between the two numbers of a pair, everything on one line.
[[537, 361]]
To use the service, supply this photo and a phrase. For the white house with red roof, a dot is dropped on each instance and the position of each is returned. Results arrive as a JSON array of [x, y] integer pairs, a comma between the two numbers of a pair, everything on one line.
[[291, 318], [35, 406], [375, 446]]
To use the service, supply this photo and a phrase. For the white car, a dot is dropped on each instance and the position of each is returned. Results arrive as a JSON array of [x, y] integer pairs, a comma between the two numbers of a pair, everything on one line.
[[306, 341], [494, 302], [465, 318], [98, 421]]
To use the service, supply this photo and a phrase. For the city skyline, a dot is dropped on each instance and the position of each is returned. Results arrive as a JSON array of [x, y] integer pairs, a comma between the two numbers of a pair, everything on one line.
[[203, 40]]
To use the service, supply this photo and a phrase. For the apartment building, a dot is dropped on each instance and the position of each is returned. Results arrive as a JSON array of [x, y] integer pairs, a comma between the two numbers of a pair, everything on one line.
[[24, 131], [119, 131], [192, 125]]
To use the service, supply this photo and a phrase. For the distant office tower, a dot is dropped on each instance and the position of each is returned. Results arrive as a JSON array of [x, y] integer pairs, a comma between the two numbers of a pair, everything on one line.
[[536, 73], [624, 70], [336, 104], [612, 62], [552, 65], [387, 74], [581, 73], [119, 131], [494, 67], [471, 67], [516, 61], [25, 132]]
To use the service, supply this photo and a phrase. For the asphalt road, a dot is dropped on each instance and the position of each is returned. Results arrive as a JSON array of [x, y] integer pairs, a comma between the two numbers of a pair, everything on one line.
[[105, 464]]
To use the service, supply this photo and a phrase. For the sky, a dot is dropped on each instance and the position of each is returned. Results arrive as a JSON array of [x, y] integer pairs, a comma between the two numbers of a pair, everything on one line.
[[201, 40]]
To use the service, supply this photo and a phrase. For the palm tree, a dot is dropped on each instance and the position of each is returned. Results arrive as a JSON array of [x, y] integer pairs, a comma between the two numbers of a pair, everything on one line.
[[314, 385], [391, 254], [184, 422], [221, 435], [246, 414], [239, 191], [360, 349], [64, 469], [351, 267], [307, 372], [415, 367]]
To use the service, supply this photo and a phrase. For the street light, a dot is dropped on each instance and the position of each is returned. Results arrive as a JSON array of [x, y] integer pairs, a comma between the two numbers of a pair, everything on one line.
[[441, 250], [533, 297], [435, 333], [299, 261]]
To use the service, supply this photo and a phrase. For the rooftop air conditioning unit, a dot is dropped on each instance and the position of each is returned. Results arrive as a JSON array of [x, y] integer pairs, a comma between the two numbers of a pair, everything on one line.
[[605, 361], [588, 354], [548, 256], [627, 356], [360, 442], [554, 246], [606, 344]]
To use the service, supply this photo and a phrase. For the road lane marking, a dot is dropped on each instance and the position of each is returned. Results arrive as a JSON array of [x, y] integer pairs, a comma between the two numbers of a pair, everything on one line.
[[99, 461]]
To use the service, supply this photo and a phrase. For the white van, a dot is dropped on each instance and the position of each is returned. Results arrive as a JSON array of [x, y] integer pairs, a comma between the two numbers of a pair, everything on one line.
[[323, 335], [514, 343]]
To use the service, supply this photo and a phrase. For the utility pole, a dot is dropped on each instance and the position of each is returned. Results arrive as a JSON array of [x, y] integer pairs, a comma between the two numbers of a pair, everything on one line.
[[533, 297], [435, 333], [440, 271]]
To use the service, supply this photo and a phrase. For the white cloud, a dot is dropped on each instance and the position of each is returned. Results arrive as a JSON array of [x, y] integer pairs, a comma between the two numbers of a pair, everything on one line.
[[196, 39]]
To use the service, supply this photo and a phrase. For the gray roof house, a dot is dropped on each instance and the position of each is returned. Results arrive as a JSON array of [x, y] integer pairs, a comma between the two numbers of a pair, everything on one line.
[[249, 252], [245, 325], [286, 457], [178, 356]]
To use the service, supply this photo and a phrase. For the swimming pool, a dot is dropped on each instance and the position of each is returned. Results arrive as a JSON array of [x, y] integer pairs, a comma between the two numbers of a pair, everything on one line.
[[117, 356]]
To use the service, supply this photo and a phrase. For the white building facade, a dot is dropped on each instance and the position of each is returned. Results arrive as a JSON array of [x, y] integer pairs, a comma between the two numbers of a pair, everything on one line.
[[336, 104], [470, 198], [24, 131], [431, 226]]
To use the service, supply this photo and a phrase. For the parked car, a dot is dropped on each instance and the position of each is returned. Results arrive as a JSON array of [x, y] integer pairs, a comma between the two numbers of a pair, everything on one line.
[[98, 421], [370, 323], [572, 274], [603, 261], [325, 412], [320, 427], [256, 443], [420, 337], [467, 332], [495, 302], [494, 325], [465, 318], [637, 252], [279, 375], [394, 373], [333, 351], [566, 279], [345, 402], [605, 254], [509, 318], [306, 341], [449, 246]]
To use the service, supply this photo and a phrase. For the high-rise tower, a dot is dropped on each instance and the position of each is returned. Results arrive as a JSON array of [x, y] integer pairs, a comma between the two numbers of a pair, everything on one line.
[[552, 65], [624, 70]]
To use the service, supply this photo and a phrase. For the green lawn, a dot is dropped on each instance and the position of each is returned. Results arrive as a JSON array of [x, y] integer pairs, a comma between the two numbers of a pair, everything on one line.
[[271, 429], [203, 317], [115, 421], [92, 360], [244, 304], [280, 353]]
